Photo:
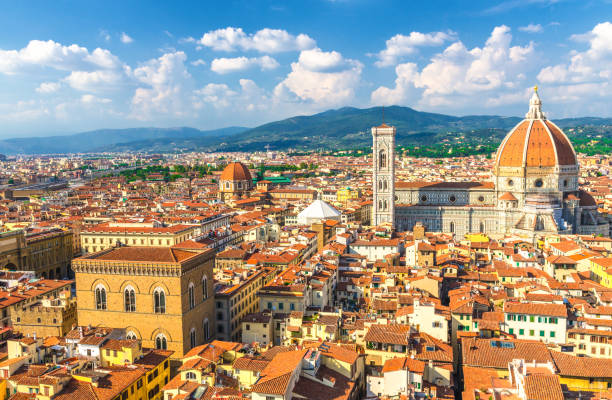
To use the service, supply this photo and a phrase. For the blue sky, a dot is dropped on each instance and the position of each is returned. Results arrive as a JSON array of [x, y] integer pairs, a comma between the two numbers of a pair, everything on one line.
[[69, 66]]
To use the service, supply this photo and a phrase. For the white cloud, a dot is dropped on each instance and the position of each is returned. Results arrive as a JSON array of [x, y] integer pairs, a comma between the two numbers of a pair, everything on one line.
[[227, 65], [265, 40], [168, 84], [248, 98], [198, 62], [91, 99], [531, 28], [48, 87], [592, 65], [459, 74], [105, 35], [309, 79], [94, 81], [401, 45], [125, 38], [317, 60]]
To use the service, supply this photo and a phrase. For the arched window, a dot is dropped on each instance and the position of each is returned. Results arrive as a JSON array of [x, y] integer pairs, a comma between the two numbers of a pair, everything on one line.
[[482, 227], [452, 227], [386, 205], [192, 337], [131, 336], [380, 204], [385, 184], [382, 159], [129, 299], [204, 287], [159, 297], [160, 342], [190, 375], [100, 297], [206, 326], [380, 184], [191, 296]]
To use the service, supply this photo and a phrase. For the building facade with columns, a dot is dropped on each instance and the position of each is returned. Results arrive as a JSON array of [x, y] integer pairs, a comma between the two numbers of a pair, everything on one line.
[[534, 189]]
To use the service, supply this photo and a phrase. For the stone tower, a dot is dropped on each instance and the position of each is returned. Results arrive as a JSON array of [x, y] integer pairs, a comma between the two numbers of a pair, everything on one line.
[[383, 174]]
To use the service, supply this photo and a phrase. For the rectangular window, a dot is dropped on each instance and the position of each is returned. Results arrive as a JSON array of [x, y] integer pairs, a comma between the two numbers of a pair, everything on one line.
[[552, 334], [521, 331], [280, 306], [511, 331], [531, 332], [531, 318], [541, 333]]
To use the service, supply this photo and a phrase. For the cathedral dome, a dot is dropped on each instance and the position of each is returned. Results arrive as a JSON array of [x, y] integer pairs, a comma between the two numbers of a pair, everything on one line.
[[535, 142], [236, 171]]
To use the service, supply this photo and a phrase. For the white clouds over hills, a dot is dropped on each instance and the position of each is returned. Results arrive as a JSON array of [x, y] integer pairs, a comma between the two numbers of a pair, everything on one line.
[[456, 73], [271, 73]]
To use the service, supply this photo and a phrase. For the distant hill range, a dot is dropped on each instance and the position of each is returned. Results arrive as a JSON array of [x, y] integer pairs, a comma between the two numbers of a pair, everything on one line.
[[346, 127]]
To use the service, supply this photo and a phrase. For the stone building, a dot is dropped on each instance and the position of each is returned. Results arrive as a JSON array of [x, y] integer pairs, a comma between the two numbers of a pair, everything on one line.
[[103, 236], [46, 317], [160, 295], [235, 298], [383, 176], [13, 252], [235, 182], [534, 189], [47, 253], [50, 253]]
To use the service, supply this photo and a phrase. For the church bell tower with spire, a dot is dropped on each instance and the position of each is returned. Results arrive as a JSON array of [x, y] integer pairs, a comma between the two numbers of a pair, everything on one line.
[[383, 174]]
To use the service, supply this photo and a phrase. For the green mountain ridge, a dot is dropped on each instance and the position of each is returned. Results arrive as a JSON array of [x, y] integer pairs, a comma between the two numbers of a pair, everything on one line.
[[346, 127]]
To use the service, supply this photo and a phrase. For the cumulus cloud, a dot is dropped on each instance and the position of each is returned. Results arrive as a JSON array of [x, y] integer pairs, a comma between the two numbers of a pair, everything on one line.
[[247, 98], [322, 77], [401, 45], [125, 38], [459, 72], [531, 28], [591, 65], [51, 54], [265, 40], [167, 84], [227, 65], [48, 87]]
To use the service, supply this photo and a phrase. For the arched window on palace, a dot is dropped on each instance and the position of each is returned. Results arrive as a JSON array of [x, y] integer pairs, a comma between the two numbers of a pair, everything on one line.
[[204, 287], [131, 336], [100, 294], [452, 227], [206, 326], [159, 298], [382, 159], [191, 296], [482, 227], [129, 299], [160, 342], [192, 337]]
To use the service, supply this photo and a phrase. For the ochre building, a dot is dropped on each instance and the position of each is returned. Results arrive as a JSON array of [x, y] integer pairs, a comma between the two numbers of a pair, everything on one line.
[[160, 295]]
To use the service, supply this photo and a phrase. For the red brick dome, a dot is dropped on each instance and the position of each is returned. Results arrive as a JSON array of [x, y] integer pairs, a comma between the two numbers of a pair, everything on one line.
[[535, 142], [236, 171]]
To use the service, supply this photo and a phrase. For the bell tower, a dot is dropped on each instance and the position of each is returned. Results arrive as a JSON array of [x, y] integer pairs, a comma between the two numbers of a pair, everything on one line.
[[383, 174]]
